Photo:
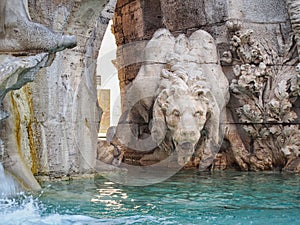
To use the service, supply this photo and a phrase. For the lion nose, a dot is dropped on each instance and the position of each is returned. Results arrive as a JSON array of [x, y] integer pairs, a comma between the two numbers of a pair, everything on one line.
[[188, 133]]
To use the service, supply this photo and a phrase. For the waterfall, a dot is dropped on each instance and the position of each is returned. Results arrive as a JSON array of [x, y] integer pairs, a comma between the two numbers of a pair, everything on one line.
[[1, 150], [8, 186]]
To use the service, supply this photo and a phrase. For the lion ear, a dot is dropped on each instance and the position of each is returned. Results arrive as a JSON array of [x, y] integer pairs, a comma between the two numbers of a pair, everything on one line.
[[159, 127]]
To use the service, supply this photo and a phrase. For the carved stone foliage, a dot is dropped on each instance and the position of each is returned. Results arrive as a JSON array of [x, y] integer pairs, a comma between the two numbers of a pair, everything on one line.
[[266, 85]]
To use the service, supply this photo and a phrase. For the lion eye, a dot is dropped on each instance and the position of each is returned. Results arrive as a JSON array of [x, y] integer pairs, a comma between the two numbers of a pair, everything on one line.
[[198, 113], [176, 113]]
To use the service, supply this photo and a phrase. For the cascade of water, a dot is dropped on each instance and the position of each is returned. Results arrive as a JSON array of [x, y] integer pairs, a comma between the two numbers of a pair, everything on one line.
[[8, 185], [1, 150]]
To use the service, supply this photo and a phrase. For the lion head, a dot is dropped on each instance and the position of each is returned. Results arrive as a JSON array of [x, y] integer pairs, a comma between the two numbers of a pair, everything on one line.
[[182, 109]]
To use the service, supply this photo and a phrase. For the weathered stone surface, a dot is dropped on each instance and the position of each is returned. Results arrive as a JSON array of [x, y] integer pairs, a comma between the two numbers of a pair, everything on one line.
[[189, 92], [215, 11], [56, 121], [188, 16], [181, 15], [272, 60], [293, 165], [18, 71], [19, 34], [15, 73], [59, 111], [258, 11], [266, 85], [134, 22], [106, 152], [69, 121], [131, 14], [293, 7]]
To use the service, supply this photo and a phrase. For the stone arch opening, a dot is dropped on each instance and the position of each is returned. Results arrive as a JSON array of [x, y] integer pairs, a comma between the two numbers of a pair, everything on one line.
[[108, 89]]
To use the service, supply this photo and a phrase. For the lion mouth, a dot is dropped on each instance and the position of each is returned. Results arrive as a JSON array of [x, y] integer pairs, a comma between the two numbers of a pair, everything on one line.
[[185, 151], [186, 146]]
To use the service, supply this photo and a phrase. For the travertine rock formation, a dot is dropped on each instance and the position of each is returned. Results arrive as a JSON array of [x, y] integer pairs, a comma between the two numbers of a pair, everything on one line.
[[54, 121], [15, 73]]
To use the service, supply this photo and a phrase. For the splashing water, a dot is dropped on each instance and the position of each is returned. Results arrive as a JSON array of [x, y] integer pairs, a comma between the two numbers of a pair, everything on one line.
[[8, 186], [26, 210]]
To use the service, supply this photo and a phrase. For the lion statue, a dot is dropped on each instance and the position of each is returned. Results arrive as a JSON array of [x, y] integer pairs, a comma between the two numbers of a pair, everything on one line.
[[177, 101]]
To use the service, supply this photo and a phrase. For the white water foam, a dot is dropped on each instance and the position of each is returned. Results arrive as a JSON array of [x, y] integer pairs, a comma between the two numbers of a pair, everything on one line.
[[19, 209], [29, 211], [8, 186]]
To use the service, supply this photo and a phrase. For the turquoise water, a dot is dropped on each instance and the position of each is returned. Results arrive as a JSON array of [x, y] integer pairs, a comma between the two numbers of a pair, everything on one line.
[[187, 198]]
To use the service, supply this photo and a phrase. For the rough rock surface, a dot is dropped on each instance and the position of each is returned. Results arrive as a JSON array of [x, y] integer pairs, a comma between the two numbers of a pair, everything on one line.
[[18, 71], [185, 98], [55, 120], [20, 34], [255, 43], [15, 73], [57, 117]]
